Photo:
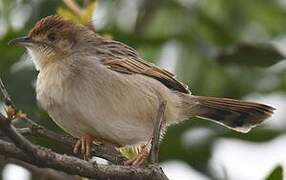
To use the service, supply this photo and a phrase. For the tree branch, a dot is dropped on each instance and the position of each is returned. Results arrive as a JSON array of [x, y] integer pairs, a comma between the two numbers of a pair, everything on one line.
[[42, 173], [41, 157], [104, 151], [7, 99]]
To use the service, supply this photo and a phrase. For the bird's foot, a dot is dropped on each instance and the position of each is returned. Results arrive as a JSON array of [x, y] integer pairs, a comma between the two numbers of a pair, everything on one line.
[[84, 145], [140, 158]]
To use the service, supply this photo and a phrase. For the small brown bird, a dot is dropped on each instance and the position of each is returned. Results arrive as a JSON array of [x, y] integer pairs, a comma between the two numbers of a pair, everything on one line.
[[101, 89]]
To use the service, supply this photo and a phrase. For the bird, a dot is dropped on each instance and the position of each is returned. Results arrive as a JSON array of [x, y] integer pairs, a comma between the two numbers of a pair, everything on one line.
[[102, 90]]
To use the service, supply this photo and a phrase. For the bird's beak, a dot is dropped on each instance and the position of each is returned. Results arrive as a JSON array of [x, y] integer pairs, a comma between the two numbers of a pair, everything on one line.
[[22, 41]]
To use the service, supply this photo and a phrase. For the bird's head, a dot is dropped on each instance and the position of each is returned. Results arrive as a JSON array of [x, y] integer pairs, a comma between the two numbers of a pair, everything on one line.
[[52, 38]]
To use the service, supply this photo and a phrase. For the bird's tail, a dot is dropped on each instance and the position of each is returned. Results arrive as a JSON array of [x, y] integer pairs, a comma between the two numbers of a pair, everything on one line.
[[235, 114]]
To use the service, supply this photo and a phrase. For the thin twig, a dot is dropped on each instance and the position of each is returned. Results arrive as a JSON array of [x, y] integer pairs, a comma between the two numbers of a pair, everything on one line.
[[79, 11], [9, 103], [19, 140], [74, 7], [7, 99], [153, 157]]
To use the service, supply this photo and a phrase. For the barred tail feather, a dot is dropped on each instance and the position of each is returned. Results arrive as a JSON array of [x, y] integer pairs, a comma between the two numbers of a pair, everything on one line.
[[235, 114]]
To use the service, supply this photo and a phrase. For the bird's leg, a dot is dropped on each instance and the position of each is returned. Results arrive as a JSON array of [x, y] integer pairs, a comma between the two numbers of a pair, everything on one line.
[[84, 144], [141, 157], [153, 141]]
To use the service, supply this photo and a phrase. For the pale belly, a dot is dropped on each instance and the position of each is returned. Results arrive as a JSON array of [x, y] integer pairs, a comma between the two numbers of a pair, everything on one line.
[[121, 120], [120, 131], [120, 113]]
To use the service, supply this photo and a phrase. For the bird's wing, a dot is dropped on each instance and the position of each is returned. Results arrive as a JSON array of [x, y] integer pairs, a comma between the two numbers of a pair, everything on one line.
[[121, 58]]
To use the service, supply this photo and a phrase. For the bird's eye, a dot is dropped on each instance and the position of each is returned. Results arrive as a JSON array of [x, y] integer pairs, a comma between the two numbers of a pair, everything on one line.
[[52, 37]]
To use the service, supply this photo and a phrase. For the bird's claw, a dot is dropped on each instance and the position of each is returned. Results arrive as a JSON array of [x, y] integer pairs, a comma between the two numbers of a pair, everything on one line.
[[140, 158], [83, 145]]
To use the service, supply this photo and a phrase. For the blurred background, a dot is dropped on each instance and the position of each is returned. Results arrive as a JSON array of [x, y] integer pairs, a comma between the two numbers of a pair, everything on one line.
[[224, 48]]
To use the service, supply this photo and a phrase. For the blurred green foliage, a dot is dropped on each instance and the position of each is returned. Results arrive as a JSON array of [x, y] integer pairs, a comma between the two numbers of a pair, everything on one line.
[[259, 55], [276, 174], [227, 50]]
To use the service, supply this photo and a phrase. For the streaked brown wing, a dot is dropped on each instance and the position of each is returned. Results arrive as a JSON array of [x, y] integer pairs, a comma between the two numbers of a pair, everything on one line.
[[130, 66], [124, 59]]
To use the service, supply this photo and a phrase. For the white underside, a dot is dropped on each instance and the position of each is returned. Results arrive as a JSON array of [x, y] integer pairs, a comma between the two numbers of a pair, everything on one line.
[[34, 57]]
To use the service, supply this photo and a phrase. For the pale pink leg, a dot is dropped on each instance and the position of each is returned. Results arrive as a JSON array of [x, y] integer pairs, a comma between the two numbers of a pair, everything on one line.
[[84, 143]]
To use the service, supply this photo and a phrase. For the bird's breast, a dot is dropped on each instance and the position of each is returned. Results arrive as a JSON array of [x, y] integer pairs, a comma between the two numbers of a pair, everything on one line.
[[112, 106], [50, 88]]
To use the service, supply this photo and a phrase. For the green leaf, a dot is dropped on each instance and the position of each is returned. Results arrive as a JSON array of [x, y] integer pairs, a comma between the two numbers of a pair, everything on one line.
[[130, 152], [68, 14], [261, 55], [276, 174], [84, 19]]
